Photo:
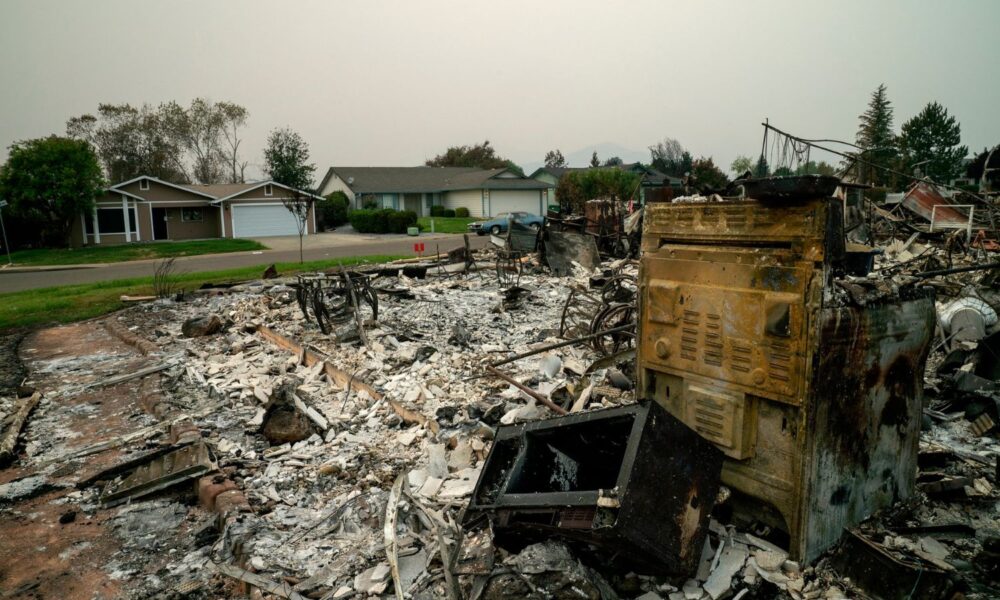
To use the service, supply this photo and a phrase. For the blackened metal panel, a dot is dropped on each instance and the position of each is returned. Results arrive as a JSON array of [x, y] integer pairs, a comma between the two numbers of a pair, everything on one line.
[[652, 516], [864, 425]]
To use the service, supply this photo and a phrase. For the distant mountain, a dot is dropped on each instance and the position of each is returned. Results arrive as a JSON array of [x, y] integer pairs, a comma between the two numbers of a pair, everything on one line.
[[581, 157]]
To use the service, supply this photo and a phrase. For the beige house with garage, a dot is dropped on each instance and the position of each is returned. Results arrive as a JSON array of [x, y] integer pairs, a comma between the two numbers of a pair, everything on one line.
[[485, 192], [147, 209]]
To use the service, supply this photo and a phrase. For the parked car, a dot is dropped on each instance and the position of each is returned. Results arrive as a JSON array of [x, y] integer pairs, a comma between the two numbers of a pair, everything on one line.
[[498, 224]]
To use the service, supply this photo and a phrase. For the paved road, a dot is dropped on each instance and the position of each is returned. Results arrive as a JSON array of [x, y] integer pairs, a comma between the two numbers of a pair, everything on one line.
[[362, 246]]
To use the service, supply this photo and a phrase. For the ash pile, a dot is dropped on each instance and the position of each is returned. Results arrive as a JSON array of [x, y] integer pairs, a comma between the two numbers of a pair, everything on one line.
[[774, 401]]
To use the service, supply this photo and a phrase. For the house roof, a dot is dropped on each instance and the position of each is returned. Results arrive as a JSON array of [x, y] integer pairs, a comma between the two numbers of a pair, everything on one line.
[[650, 176], [215, 192], [220, 190], [392, 180]]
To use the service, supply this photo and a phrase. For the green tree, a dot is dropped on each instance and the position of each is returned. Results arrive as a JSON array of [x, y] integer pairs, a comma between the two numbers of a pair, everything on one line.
[[333, 209], [482, 156], [134, 141], [554, 159], [761, 169], [177, 144], [514, 168], [740, 165], [613, 161], [876, 139], [594, 161], [49, 182], [671, 158], [707, 176], [815, 168], [286, 161], [576, 187], [931, 141]]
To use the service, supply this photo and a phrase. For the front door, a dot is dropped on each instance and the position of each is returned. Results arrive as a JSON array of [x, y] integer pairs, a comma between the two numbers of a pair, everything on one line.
[[160, 224]]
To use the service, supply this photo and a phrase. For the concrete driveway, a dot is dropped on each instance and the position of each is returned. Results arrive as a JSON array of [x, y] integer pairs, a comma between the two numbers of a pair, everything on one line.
[[320, 246]]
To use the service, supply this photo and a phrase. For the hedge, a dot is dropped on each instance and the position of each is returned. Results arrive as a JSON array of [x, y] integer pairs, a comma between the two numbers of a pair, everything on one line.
[[383, 220], [333, 209], [437, 210], [448, 213], [461, 211]]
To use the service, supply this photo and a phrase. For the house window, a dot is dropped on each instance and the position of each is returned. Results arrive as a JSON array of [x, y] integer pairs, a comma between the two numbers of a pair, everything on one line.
[[267, 190], [111, 221], [144, 184], [192, 214]]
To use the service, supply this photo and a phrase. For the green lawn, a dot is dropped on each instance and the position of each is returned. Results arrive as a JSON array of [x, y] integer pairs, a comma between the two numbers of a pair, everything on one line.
[[126, 252], [67, 303], [446, 224]]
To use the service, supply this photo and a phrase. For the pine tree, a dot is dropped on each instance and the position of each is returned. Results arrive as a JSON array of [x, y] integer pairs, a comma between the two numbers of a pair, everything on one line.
[[877, 140], [594, 161], [931, 142]]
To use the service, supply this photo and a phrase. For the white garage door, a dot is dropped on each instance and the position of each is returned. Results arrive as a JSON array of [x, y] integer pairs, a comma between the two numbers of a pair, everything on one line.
[[502, 201], [251, 221]]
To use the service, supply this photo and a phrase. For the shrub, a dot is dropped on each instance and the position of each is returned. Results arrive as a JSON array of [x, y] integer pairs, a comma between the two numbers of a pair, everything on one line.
[[369, 202], [448, 213], [333, 210], [383, 220], [437, 210], [398, 221], [461, 211]]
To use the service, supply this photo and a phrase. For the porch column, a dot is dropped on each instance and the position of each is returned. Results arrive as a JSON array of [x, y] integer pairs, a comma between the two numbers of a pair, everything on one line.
[[222, 219], [128, 228], [97, 229]]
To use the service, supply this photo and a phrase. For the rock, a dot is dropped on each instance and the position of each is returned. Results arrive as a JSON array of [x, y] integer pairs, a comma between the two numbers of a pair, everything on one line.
[[67, 517], [201, 326], [550, 365], [618, 379], [731, 561], [284, 424], [372, 581], [437, 464]]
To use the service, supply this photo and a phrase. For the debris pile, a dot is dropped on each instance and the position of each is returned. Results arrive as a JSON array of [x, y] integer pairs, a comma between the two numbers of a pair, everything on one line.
[[484, 429]]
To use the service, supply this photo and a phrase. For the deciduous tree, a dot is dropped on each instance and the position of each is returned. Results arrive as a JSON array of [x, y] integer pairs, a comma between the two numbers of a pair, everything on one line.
[[49, 182], [931, 141], [576, 187], [554, 159], [740, 165], [708, 176], [483, 156], [286, 161], [670, 157], [594, 161]]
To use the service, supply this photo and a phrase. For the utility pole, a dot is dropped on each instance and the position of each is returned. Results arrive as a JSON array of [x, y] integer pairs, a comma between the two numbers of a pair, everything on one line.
[[6, 246]]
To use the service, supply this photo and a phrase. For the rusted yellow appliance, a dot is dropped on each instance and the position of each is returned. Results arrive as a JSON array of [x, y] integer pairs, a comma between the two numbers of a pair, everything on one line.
[[815, 400]]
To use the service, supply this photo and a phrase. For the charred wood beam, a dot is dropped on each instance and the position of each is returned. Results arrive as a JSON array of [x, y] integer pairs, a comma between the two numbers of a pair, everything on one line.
[[527, 390], [577, 340], [9, 441]]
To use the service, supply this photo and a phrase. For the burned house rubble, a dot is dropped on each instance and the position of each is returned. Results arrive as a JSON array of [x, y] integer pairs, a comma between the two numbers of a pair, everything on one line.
[[784, 394]]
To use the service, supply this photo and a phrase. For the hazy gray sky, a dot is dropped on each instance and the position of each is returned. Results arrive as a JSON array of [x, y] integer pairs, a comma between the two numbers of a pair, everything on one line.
[[394, 83]]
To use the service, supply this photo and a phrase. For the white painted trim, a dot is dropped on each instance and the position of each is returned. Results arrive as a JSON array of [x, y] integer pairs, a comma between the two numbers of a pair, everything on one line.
[[268, 189], [97, 228], [152, 225], [128, 219], [313, 210], [160, 181], [222, 219], [83, 225], [143, 189], [261, 184], [130, 195], [193, 202]]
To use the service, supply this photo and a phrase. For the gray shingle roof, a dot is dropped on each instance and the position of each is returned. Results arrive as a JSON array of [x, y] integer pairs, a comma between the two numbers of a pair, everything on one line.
[[394, 180]]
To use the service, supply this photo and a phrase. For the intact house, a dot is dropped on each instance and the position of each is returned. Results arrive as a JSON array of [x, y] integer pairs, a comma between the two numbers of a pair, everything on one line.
[[148, 209], [651, 178], [485, 192]]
